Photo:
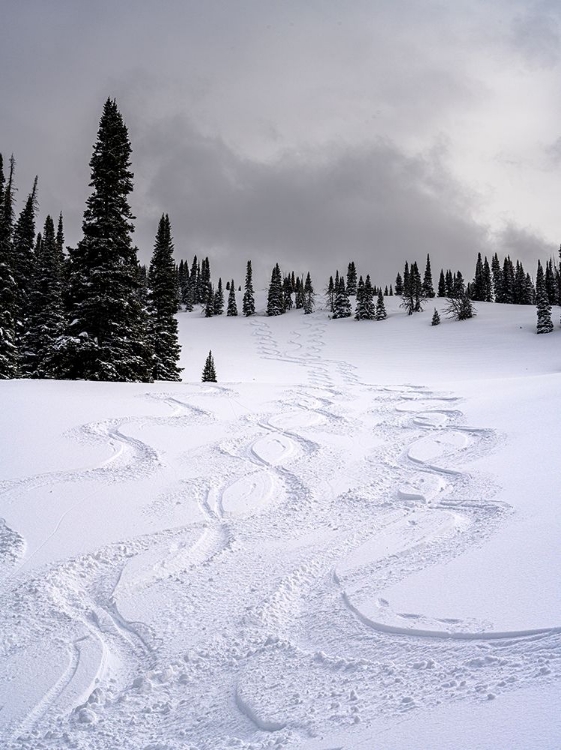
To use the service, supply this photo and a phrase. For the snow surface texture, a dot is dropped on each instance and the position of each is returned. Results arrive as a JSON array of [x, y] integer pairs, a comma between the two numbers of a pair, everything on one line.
[[350, 541]]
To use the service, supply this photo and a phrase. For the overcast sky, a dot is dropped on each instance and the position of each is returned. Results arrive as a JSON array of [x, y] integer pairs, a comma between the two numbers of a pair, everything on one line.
[[312, 132]]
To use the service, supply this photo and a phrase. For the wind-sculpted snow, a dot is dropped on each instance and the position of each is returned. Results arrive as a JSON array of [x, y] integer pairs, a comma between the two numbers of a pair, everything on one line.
[[252, 601]]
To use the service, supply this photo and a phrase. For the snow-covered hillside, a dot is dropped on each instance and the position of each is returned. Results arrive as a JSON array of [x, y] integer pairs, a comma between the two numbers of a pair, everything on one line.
[[350, 541]]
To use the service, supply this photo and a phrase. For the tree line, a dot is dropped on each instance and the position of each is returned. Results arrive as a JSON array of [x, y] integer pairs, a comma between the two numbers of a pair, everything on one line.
[[93, 312]]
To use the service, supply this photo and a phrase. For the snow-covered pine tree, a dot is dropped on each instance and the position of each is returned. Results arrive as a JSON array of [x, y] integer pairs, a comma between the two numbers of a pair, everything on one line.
[[381, 313], [106, 336], [428, 288], [46, 319], [508, 281], [275, 302], [232, 309], [478, 286], [8, 289], [330, 294], [23, 260], [351, 279], [309, 295], [441, 284], [248, 304], [359, 309], [219, 298], [163, 306], [209, 304], [545, 324], [487, 281], [209, 370], [551, 287], [205, 283], [299, 294], [398, 285], [435, 318], [342, 305], [287, 293], [406, 280]]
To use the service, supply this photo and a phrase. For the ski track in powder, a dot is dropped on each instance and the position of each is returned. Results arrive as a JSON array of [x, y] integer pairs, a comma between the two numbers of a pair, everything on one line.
[[269, 619]]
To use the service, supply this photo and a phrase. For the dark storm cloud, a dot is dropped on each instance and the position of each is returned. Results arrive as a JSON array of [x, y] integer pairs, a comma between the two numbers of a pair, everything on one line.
[[309, 133], [309, 210]]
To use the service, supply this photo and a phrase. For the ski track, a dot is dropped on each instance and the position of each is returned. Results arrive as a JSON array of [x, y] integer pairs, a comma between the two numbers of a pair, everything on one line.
[[310, 640]]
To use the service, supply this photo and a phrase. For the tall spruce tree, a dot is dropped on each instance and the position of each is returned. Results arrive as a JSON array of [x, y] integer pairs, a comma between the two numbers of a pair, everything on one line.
[[478, 286], [45, 323], [232, 309], [545, 324], [248, 303], [351, 279], [428, 288], [219, 299], [209, 370], [309, 295], [163, 306], [275, 302], [8, 289], [342, 306], [23, 261], [381, 313], [106, 336], [441, 284]]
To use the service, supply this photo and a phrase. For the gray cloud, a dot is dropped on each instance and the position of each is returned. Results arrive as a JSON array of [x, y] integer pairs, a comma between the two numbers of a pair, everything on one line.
[[309, 210], [311, 133]]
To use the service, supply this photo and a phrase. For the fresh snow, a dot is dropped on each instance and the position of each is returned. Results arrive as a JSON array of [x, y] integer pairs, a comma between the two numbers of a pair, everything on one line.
[[350, 541]]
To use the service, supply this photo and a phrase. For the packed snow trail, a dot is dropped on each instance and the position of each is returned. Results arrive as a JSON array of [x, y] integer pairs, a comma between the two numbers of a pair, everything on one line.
[[250, 603]]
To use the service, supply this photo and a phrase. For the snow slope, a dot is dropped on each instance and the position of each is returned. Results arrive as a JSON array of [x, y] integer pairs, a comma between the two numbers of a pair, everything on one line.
[[351, 541]]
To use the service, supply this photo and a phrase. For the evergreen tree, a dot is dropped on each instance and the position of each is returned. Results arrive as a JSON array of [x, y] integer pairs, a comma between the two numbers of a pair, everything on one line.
[[219, 298], [209, 304], [406, 281], [351, 279], [435, 318], [209, 371], [163, 306], [194, 281], [23, 242], [232, 309], [287, 293], [309, 295], [487, 281], [248, 304], [330, 294], [8, 289], [428, 289], [398, 284], [299, 299], [497, 275], [342, 305], [545, 324], [360, 310], [508, 282], [391, 291], [551, 287], [458, 286], [381, 308], [46, 321], [478, 286], [529, 291], [275, 302], [449, 284], [106, 337]]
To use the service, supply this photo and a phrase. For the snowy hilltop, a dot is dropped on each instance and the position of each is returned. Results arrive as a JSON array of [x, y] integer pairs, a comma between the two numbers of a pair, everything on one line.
[[349, 540]]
